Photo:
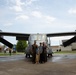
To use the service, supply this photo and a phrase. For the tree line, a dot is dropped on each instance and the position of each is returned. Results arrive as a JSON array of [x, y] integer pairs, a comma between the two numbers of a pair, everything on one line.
[[21, 45]]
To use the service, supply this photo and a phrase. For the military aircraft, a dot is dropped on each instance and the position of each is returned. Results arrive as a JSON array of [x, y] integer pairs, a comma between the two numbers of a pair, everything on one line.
[[38, 37]]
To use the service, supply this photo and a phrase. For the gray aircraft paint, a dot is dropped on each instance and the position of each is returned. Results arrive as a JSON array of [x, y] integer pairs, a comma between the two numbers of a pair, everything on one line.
[[40, 38]]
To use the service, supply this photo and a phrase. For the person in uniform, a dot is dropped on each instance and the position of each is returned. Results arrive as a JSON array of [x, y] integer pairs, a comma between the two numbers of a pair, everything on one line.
[[34, 48], [44, 53]]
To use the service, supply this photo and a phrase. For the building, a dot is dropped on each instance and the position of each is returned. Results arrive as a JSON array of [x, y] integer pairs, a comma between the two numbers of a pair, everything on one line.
[[71, 47], [55, 48], [1, 48]]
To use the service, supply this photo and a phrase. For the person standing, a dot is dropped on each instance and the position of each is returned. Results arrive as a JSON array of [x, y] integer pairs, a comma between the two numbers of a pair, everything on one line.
[[37, 55], [34, 48], [10, 51], [40, 53], [44, 53]]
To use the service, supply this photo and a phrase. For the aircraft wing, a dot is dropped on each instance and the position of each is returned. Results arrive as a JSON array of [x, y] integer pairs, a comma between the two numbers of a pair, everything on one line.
[[19, 36], [13, 34], [60, 34], [27, 35], [68, 42], [24, 36]]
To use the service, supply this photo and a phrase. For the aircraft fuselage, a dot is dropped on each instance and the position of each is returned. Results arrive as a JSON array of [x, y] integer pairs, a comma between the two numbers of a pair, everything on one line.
[[40, 38]]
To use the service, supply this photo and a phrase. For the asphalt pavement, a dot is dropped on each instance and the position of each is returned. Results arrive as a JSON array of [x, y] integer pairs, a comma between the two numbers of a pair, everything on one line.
[[12, 58], [55, 58]]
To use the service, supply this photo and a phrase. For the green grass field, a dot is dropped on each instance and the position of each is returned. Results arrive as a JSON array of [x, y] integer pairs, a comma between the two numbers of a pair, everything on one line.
[[7, 54], [65, 52], [19, 53]]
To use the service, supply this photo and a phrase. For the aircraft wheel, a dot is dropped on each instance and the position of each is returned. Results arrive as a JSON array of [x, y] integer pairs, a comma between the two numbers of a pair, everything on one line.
[[26, 55]]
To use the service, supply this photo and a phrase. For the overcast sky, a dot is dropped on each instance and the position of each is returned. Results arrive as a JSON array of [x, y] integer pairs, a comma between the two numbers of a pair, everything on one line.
[[38, 16]]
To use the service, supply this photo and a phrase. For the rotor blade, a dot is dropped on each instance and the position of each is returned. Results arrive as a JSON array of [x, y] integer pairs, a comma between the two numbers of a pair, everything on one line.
[[68, 42], [13, 34], [6, 42], [61, 34]]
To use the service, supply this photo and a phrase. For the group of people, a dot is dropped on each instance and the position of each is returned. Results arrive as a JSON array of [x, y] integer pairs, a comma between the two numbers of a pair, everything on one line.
[[39, 53]]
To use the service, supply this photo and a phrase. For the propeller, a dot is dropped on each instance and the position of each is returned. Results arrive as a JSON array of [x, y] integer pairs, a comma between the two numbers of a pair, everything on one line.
[[6, 42], [68, 42]]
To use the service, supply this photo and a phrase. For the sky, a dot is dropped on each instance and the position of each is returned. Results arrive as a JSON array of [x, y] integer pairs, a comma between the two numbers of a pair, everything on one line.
[[38, 16]]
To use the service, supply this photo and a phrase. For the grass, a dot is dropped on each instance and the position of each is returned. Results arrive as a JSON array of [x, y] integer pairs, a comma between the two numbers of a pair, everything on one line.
[[65, 52], [7, 54], [19, 53]]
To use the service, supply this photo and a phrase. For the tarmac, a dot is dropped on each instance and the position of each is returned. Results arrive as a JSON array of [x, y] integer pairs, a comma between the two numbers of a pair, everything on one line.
[[59, 64]]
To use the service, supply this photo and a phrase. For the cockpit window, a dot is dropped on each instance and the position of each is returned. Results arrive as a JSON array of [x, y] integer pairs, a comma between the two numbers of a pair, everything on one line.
[[38, 37], [34, 37]]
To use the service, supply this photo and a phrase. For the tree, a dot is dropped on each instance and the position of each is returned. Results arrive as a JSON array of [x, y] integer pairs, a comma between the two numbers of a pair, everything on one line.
[[21, 45]]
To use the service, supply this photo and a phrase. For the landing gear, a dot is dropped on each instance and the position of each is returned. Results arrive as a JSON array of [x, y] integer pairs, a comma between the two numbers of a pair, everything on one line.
[[27, 55], [50, 55]]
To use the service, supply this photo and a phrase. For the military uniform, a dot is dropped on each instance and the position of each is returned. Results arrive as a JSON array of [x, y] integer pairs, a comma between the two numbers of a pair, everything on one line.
[[34, 48]]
